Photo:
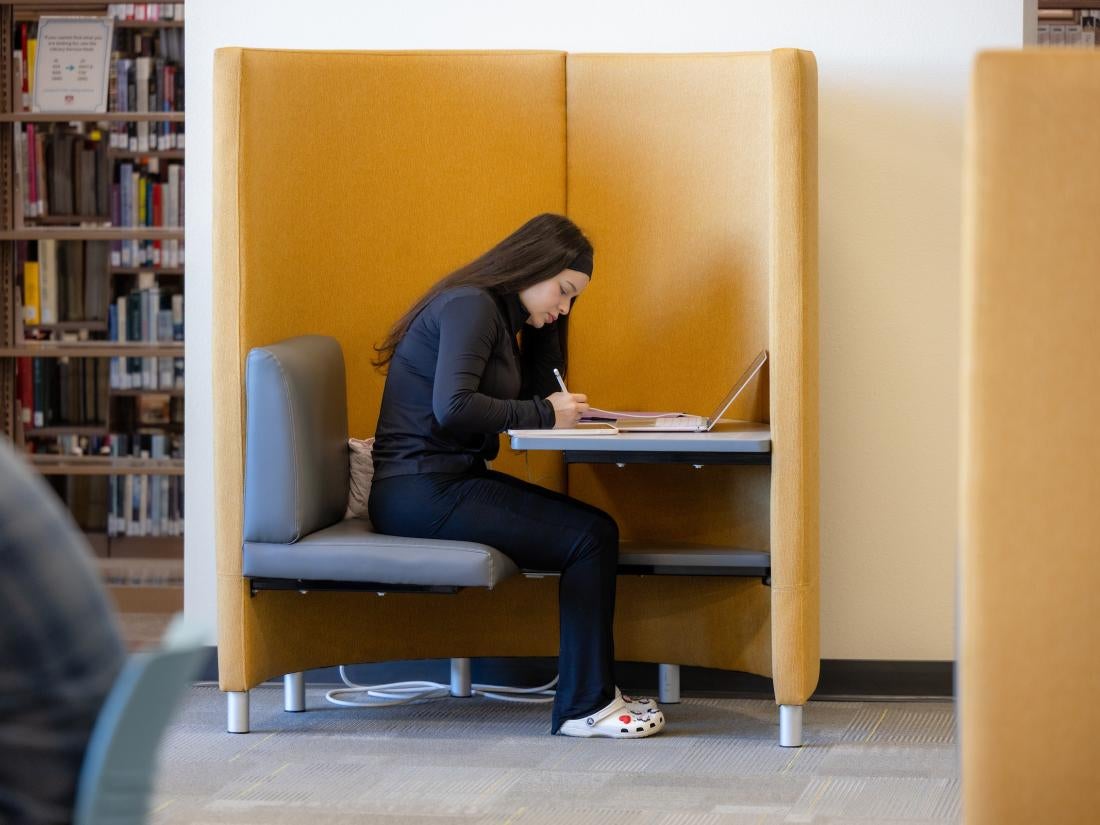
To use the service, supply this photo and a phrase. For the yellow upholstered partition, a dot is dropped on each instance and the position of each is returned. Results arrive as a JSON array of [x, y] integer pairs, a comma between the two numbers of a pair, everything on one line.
[[695, 178], [1029, 662], [345, 184]]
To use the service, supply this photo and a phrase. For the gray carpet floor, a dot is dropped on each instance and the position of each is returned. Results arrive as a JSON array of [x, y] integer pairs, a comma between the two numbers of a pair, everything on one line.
[[482, 761]]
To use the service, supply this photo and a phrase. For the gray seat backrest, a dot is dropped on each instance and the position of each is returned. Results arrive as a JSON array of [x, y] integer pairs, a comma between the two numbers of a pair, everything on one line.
[[296, 439]]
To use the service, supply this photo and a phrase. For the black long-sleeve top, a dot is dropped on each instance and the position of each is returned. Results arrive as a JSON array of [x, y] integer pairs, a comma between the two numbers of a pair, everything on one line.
[[458, 378]]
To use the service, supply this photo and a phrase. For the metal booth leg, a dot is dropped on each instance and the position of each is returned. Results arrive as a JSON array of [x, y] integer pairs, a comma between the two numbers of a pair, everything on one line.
[[460, 678], [668, 684], [294, 692], [237, 721], [790, 726]]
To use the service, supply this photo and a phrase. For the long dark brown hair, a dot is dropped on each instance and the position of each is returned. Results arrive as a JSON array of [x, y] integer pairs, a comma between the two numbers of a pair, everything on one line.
[[538, 250]]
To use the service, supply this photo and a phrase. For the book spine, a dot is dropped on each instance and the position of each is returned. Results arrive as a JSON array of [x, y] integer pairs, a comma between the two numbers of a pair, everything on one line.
[[165, 520], [172, 218], [128, 500], [112, 94], [19, 176], [124, 172], [112, 335], [31, 51], [25, 371], [142, 502], [24, 49], [141, 81], [38, 374], [112, 484], [17, 78], [47, 268], [31, 298], [116, 220], [165, 374], [40, 175], [32, 171], [177, 335], [141, 202], [24, 174]]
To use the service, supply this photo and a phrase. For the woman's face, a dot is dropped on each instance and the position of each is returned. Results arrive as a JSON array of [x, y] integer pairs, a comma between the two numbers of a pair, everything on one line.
[[548, 299]]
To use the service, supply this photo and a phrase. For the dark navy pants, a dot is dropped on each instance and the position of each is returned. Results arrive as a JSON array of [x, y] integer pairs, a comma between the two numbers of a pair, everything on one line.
[[538, 529]]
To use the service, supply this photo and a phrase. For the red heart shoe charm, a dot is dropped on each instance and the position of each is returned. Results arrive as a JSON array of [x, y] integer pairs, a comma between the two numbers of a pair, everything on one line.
[[624, 719]]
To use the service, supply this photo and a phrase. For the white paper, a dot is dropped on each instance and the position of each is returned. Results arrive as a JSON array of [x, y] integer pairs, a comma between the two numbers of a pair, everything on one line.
[[72, 63]]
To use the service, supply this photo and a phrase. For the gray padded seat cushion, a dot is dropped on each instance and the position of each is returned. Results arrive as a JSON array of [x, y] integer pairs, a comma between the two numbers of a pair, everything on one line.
[[349, 551]]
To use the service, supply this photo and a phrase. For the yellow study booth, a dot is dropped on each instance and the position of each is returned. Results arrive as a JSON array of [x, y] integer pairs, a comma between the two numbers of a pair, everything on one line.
[[694, 175]]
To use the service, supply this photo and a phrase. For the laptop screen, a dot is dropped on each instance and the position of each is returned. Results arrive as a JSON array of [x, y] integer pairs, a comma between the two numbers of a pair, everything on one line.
[[742, 382]]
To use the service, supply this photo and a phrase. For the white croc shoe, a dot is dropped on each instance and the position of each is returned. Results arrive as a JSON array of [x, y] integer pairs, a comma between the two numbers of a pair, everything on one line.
[[616, 721]]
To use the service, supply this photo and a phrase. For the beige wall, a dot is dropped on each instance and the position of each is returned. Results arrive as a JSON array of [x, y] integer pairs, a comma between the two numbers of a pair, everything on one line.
[[893, 85]]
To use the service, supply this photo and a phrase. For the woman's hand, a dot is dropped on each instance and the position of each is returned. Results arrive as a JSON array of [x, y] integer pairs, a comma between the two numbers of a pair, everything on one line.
[[568, 408]]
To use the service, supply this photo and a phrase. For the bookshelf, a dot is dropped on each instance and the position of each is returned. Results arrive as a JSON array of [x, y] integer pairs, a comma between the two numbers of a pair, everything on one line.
[[1073, 24], [91, 297]]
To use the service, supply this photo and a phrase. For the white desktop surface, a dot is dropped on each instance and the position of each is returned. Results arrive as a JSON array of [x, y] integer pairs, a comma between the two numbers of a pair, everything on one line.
[[727, 437]]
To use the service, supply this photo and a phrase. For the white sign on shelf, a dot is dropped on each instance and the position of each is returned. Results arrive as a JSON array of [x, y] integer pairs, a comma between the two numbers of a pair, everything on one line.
[[72, 64]]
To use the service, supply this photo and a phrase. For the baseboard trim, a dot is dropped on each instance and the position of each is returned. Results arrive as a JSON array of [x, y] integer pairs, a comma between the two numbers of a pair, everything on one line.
[[856, 679]]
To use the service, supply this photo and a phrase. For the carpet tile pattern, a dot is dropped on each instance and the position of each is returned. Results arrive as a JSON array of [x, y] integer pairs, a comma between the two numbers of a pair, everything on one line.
[[475, 761]]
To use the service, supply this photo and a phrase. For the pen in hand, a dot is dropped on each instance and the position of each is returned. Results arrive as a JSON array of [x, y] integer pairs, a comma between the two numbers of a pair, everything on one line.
[[578, 408], [561, 383]]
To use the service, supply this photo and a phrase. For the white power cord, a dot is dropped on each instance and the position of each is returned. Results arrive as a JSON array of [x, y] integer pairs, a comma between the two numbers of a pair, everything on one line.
[[402, 693]]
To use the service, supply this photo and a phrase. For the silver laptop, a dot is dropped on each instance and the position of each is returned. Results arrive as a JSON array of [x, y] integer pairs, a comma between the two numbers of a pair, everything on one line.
[[693, 423]]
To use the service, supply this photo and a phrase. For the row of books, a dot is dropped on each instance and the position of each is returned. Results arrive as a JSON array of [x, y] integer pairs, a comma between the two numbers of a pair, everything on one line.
[[115, 444], [162, 136], [146, 373], [59, 171], [75, 392], [145, 11], [161, 44], [140, 85], [146, 314], [1077, 30], [54, 392], [136, 504], [144, 84], [135, 253], [64, 281], [144, 505], [148, 197], [62, 171], [1056, 34]]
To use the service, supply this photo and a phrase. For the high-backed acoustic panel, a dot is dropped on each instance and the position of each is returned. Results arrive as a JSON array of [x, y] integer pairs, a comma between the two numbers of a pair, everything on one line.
[[694, 175], [1029, 662], [345, 184]]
